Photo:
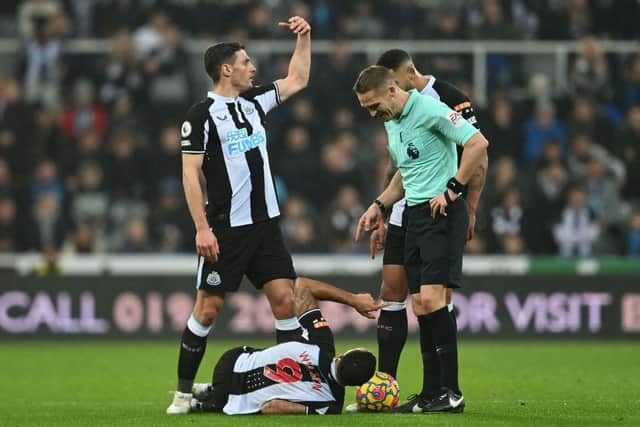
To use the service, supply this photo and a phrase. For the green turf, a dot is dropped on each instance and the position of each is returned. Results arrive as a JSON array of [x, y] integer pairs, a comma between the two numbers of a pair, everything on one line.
[[505, 384]]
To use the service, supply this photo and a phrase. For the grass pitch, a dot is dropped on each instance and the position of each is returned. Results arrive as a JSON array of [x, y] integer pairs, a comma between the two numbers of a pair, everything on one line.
[[504, 383]]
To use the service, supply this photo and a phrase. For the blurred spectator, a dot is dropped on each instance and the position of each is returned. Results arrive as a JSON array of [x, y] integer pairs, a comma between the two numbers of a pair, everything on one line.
[[633, 234], [590, 72], [137, 237], [627, 147], [47, 181], [502, 130], [340, 219], [539, 129], [15, 125], [83, 113], [628, 88], [488, 21], [9, 227], [297, 165], [125, 167], [167, 72], [298, 227], [166, 160], [171, 230], [30, 11], [150, 37], [603, 194], [583, 151], [586, 118], [90, 201], [507, 218], [362, 23], [578, 228], [48, 225], [83, 240], [122, 71]]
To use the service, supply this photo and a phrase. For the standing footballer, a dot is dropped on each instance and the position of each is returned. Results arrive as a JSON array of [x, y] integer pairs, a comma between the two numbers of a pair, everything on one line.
[[224, 149], [392, 322], [423, 133]]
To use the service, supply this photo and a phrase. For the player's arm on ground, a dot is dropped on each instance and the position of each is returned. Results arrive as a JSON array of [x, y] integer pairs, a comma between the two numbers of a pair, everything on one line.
[[307, 292], [300, 64], [374, 215], [281, 407]]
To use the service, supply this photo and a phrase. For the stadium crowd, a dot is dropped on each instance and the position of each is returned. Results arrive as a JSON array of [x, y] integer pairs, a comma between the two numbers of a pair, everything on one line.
[[90, 144]]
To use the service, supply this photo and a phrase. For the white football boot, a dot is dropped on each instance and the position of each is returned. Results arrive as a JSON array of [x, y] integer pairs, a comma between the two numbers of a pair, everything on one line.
[[352, 408], [181, 404]]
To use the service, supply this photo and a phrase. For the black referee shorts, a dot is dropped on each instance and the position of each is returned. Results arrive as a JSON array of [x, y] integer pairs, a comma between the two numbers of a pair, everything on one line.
[[394, 245], [434, 246], [256, 250]]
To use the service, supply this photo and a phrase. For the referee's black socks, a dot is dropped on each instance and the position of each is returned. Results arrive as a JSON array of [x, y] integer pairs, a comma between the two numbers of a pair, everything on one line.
[[192, 347], [438, 331], [392, 335]]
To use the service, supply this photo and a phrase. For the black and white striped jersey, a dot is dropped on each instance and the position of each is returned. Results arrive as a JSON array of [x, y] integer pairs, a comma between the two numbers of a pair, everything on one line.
[[231, 134], [457, 101], [293, 371]]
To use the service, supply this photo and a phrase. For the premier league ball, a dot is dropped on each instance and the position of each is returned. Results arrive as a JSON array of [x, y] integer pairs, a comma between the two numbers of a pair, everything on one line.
[[379, 394]]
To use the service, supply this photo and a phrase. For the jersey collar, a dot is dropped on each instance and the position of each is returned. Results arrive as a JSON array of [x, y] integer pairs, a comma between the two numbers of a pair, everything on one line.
[[408, 106], [211, 94]]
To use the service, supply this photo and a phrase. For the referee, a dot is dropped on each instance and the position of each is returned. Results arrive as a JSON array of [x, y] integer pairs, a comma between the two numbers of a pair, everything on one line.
[[423, 133]]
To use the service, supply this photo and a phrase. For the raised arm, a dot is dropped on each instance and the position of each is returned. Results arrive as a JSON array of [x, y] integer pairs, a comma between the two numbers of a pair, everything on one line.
[[300, 64]]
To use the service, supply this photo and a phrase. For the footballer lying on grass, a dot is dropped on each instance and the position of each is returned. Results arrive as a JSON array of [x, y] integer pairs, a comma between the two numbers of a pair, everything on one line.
[[304, 377]]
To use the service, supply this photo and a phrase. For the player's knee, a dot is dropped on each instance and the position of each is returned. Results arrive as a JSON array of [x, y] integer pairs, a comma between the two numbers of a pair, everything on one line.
[[389, 292], [430, 299], [206, 310]]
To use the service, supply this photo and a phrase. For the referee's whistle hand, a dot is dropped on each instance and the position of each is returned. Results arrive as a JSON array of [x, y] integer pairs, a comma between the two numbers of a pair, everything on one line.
[[207, 245]]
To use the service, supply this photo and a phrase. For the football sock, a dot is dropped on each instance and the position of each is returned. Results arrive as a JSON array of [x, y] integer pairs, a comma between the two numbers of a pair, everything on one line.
[[431, 375], [192, 347], [392, 335], [288, 330], [445, 338], [453, 315]]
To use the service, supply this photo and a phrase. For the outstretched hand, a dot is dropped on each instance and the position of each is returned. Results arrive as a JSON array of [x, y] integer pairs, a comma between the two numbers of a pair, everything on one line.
[[365, 304], [297, 25], [370, 220]]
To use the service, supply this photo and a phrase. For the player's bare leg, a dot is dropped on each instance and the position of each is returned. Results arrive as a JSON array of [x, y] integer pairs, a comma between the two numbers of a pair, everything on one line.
[[392, 322], [279, 292], [192, 347]]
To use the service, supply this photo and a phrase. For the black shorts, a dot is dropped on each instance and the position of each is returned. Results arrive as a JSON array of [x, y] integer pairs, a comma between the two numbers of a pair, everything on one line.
[[434, 246], [222, 381], [394, 246], [256, 250]]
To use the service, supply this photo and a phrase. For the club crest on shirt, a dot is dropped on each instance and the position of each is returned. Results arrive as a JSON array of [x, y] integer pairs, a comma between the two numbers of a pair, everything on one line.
[[248, 110], [412, 151], [213, 279]]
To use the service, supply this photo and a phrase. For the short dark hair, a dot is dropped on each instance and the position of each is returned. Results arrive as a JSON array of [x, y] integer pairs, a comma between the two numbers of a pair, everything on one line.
[[394, 58], [217, 55], [373, 77], [356, 367]]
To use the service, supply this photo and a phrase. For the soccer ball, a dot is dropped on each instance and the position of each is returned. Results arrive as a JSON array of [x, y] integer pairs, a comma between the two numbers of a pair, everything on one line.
[[379, 394]]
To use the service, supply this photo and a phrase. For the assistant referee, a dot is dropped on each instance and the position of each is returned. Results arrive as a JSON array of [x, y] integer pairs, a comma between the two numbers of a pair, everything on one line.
[[422, 134]]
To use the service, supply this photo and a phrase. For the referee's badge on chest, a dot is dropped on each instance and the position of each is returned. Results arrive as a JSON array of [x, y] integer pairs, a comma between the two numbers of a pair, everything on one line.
[[214, 279]]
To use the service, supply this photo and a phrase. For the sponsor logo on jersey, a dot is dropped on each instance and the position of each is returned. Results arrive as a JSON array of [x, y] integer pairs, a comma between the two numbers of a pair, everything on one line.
[[185, 130], [238, 142], [222, 118], [213, 279], [412, 151]]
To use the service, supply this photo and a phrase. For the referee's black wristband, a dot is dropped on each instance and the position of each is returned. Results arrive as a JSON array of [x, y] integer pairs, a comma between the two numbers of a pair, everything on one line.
[[380, 205], [456, 186], [447, 198]]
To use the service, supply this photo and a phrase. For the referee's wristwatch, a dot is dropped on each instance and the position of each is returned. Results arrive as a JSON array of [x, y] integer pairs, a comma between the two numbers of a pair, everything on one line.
[[380, 205]]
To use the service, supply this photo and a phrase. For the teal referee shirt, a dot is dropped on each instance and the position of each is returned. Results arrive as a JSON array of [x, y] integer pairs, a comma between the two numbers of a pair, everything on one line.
[[422, 144]]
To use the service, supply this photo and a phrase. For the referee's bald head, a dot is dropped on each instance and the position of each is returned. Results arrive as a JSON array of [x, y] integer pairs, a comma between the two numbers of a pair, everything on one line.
[[374, 77]]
